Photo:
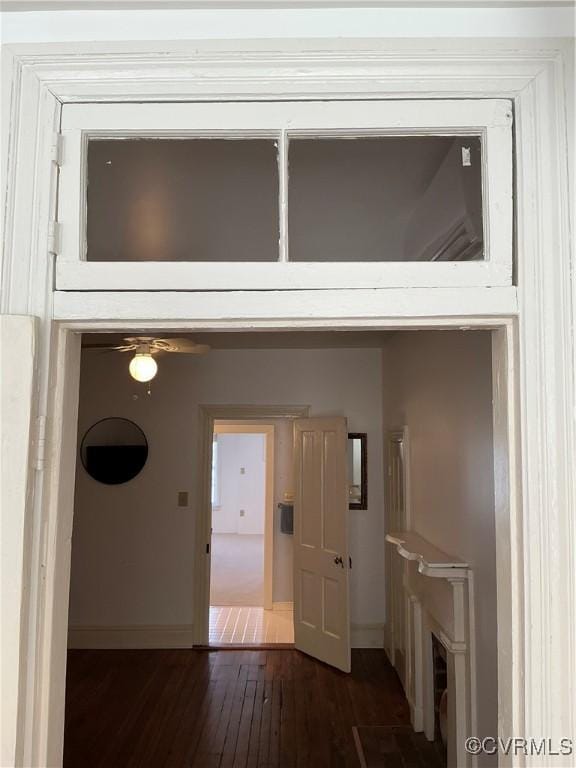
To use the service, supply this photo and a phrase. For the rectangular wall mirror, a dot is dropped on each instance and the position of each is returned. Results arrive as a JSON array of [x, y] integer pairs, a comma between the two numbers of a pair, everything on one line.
[[358, 470]]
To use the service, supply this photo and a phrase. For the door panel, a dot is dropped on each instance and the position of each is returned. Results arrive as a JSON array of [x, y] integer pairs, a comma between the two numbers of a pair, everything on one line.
[[396, 566], [321, 572]]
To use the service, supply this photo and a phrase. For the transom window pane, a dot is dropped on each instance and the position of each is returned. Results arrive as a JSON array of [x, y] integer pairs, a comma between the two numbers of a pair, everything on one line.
[[182, 200], [409, 198], [373, 199]]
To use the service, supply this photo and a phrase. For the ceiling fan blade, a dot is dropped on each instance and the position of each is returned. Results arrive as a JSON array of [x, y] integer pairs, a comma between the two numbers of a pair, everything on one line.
[[106, 348], [187, 346]]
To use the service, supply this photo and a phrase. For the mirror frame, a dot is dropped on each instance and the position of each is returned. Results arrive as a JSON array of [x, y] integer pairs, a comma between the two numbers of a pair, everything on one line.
[[83, 441], [363, 503]]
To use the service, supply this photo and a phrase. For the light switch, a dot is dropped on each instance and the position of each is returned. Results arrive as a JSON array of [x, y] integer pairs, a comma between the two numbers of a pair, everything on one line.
[[242, 470], [242, 512], [182, 498]]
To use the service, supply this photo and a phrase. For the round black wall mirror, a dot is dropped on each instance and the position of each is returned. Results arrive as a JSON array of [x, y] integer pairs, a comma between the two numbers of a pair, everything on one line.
[[114, 451]]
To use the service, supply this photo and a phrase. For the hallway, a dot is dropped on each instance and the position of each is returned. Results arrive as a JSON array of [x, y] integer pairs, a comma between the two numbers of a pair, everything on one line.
[[237, 570], [196, 708]]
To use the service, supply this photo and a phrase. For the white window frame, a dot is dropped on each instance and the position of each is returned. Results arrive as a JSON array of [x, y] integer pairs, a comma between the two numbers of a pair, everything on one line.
[[489, 119]]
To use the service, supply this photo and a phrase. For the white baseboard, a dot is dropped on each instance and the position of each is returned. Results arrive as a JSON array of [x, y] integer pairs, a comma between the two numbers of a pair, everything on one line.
[[139, 636], [181, 636], [287, 606], [367, 635]]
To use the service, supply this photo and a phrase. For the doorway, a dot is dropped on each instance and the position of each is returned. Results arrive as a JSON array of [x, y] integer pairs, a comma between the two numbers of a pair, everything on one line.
[[243, 468], [346, 377], [216, 621]]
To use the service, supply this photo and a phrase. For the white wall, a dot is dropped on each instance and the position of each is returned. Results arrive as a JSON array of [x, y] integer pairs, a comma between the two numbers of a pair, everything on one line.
[[242, 481], [133, 546], [439, 384]]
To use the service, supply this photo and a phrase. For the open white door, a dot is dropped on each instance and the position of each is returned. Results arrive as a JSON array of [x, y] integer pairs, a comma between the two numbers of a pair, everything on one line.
[[321, 565]]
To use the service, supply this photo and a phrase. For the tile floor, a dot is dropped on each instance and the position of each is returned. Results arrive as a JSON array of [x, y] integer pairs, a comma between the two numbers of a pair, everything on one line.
[[232, 624]]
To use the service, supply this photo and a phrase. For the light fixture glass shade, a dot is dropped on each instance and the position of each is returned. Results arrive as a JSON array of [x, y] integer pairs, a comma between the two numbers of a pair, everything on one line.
[[143, 367]]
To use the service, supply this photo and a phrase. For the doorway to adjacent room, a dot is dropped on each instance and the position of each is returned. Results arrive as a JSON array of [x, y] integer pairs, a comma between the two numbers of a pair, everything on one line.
[[242, 610]]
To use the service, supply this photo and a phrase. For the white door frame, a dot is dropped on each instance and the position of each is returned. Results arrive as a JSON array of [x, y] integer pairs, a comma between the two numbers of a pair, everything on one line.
[[52, 664], [397, 435], [244, 416], [533, 350], [250, 428]]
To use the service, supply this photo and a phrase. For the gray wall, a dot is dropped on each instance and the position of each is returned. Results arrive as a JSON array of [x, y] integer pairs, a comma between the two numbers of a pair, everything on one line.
[[439, 385], [132, 548]]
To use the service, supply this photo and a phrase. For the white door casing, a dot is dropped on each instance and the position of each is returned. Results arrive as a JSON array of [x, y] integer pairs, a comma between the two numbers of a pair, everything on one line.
[[18, 338], [321, 564], [534, 386], [231, 414]]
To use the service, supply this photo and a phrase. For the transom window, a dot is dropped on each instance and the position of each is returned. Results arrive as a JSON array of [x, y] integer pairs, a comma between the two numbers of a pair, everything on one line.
[[286, 195]]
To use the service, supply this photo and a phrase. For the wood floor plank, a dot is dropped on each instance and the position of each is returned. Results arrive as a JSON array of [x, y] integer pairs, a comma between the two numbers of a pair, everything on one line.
[[256, 730], [209, 749], [231, 740], [199, 714], [274, 758], [240, 756], [288, 744], [228, 709]]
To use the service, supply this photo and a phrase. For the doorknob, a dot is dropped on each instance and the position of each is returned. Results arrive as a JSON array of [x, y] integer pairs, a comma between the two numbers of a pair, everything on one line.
[[338, 561]]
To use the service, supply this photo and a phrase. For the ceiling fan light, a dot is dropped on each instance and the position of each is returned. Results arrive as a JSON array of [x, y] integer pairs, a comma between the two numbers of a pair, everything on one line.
[[143, 367]]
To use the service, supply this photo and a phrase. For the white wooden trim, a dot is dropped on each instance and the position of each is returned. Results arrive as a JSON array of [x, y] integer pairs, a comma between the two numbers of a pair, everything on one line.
[[283, 145], [220, 276], [461, 322], [397, 435], [459, 663], [138, 636], [283, 120], [315, 118], [507, 513], [431, 560], [268, 431], [546, 371], [454, 629], [40, 78], [402, 435], [343, 305], [54, 554], [22, 434], [213, 70], [207, 416]]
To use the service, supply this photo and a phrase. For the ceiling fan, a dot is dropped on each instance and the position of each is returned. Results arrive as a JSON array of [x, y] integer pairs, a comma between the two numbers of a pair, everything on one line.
[[142, 366]]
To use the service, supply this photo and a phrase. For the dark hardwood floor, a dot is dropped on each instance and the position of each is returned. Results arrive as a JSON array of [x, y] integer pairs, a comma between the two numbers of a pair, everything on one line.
[[204, 708]]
